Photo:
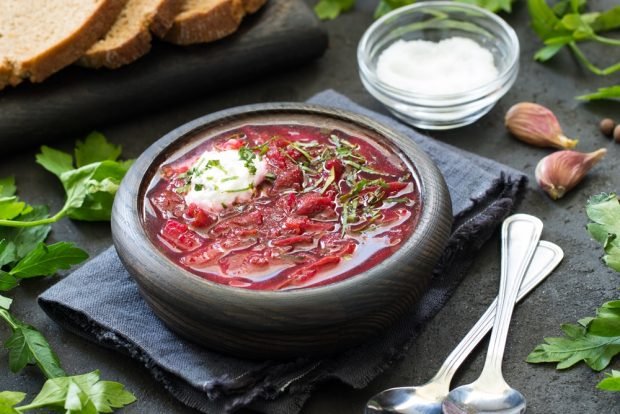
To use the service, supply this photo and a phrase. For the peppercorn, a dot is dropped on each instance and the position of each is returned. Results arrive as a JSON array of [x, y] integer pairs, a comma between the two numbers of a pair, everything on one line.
[[607, 126], [617, 134]]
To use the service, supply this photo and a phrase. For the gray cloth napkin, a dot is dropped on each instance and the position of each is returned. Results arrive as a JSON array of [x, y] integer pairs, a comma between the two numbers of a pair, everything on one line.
[[483, 193]]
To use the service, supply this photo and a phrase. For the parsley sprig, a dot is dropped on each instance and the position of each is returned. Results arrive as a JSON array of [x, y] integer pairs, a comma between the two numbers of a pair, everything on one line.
[[90, 186], [593, 340], [90, 181], [568, 26]]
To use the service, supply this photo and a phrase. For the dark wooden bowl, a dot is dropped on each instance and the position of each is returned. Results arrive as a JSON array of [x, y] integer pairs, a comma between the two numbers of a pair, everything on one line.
[[266, 324]]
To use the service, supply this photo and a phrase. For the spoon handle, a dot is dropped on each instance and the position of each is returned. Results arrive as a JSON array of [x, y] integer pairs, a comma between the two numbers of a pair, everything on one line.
[[520, 235], [546, 257]]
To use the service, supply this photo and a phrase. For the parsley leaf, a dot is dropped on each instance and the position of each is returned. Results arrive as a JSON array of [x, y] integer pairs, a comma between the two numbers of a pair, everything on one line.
[[81, 394], [7, 187], [330, 9], [594, 341], [5, 303], [90, 186], [46, 260], [95, 148], [7, 252], [24, 239], [8, 399], [11, 207], [90, 190], [611, 383], [28, 346], [7, 281], [54, 161], [611, 92], [604, 213]]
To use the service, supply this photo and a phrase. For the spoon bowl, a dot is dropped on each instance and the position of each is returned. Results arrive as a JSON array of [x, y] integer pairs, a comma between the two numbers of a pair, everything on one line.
[[423, 399], [473, 398], [427, 398]]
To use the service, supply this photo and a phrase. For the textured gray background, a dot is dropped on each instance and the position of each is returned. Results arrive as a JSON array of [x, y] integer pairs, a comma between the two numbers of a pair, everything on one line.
[[577, 287]]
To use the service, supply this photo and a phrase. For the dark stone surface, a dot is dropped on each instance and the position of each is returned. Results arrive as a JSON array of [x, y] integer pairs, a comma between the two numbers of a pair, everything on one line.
[[574, 290]]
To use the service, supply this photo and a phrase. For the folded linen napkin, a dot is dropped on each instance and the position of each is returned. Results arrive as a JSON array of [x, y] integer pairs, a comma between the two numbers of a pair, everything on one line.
[[483, 193]]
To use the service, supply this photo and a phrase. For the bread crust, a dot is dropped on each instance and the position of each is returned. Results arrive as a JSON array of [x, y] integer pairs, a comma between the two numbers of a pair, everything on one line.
[[164, 18], [72, 47], [207, 25], [136, 46], [6, 71], [132, 49]]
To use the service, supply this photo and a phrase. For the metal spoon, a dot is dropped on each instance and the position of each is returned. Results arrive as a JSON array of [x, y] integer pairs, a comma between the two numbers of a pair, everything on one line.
[[490, 393], [427, 398]]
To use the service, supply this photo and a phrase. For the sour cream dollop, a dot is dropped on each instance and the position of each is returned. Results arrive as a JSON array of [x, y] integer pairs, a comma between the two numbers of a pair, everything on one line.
[[221, 178]]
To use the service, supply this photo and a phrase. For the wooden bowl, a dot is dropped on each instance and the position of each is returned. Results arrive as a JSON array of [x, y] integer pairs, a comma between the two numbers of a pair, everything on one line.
[[281, 324]]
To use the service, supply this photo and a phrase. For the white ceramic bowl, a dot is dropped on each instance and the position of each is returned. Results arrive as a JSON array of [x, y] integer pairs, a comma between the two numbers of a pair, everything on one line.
[[435, 21]]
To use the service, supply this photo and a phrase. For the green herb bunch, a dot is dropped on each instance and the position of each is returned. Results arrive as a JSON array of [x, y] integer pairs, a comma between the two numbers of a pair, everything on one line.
[[593, 340], [90, 183], [566, 25]]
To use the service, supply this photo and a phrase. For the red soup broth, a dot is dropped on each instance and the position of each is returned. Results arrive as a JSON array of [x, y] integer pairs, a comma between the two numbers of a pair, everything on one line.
[[331, 206]]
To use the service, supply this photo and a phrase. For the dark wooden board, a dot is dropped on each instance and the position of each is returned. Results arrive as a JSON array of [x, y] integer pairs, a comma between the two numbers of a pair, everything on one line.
[[76, 100]]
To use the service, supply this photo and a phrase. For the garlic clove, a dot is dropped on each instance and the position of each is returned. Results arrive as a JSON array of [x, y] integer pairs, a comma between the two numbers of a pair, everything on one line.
[[559, 172], [537, 125]]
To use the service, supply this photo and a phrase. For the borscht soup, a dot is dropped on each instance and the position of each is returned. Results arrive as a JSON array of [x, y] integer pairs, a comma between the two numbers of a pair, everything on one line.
[[279, 207]]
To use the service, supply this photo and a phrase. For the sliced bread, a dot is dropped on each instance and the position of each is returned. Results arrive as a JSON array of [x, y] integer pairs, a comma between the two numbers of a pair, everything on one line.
[[40, 37], [130, 36], [202, 21]]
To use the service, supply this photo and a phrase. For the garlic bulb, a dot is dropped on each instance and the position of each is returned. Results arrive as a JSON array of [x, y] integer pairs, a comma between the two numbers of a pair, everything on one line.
[[559, 172], [537, 125]]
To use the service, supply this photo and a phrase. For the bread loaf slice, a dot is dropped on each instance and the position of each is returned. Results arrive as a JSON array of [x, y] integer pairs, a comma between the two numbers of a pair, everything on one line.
[[40, 37], [202, 21], [130, 36]]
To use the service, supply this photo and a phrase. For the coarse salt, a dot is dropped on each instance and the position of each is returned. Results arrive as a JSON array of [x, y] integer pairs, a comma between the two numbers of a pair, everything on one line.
[[450, 66]]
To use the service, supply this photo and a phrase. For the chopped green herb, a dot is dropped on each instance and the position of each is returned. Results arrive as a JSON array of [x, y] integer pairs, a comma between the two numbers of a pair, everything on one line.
[[214, 164], [398, 200], [361, 185], [344, 217], [308, 169], [352, 164], [352, 216], [329, 181], [238, 190], [248, 156], [198, 187], [287, 155], [182, 189], [301, 151], [309, 144], [232, 177]]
